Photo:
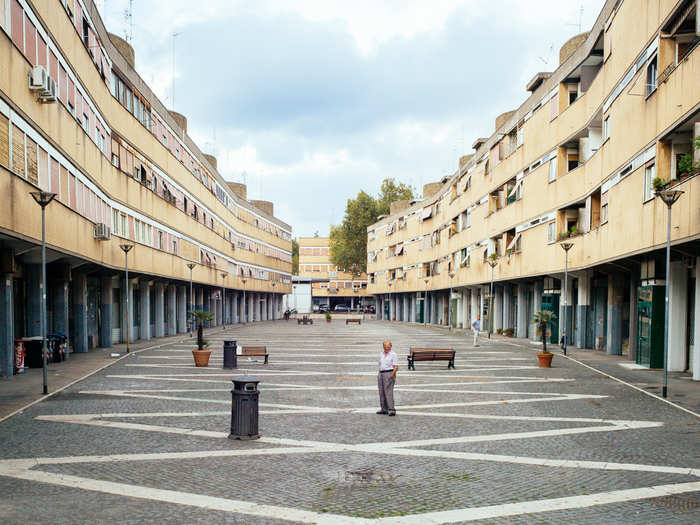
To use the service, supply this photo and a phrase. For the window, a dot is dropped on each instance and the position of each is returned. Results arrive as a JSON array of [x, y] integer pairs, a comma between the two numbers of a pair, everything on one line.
[[114, 88], [651, 76], [604, 213], [649, 174], [552, 169], [115, 160], [160, 240], [551, 231], [606, 128], [86, 123]]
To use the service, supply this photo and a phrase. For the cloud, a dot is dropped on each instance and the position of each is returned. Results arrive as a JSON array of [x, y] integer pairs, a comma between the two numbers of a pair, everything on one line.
[[315, 100]]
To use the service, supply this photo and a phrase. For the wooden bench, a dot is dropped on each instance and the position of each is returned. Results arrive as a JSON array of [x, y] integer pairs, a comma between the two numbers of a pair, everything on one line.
[[358, 321], [255, 351], [431, 354], [305, 320]]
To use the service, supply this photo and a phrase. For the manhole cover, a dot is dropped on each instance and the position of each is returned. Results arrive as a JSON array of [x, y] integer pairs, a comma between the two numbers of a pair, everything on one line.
[[367, 475]]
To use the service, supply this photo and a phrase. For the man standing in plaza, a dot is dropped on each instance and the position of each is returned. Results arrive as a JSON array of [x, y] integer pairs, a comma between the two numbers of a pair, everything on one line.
[[388, 366], [475, 329]]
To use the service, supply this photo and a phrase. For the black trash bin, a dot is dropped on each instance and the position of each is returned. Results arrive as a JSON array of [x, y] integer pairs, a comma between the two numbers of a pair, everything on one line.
[[230, 357], [32, 352], [244, 408]]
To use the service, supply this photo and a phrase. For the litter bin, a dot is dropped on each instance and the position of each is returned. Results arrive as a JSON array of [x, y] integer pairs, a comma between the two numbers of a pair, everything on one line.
[[32, 352], [230, 357], [244, 408], [19, 356]]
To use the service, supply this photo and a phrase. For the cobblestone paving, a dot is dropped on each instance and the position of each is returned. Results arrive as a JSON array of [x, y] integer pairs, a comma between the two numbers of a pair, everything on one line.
[[497, 440]]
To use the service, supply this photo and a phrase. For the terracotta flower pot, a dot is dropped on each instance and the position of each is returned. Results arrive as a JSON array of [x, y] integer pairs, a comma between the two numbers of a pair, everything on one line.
[[545, 359], [201, 357], [328, 320]]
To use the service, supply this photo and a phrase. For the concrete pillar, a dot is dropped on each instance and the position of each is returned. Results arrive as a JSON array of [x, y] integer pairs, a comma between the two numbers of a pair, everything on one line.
[[404, 308], [569, 294], [182, 310], [80, 341], [615, 300], [218, 307], [434, 308], [380, 307], [159, 320], [107, 297], [145, 307], [7, 322], [695, 355], [507, 307], [474, 310], [198, 298], [678, 314], [127, 324], [522, 311], [250, 299], [498, 308], [60, 308], [583, 338], [234, 307], [392, 308], [632, 345], [536, 307], [33, 299], [171, 305]]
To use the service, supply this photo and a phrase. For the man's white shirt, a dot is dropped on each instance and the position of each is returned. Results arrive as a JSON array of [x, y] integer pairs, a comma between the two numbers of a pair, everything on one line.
[[387, 361]]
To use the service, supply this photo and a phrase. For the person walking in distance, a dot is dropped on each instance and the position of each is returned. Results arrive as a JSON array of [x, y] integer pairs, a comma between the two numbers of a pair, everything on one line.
[[475, 328], [388, 366]]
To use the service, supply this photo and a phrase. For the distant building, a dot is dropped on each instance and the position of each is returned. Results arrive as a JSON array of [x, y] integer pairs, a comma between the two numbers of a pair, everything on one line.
[[575, 163], [330, 285]]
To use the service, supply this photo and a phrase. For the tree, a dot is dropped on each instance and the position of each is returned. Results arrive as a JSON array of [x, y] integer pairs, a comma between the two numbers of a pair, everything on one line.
[[391, 191], [348, 242], [295, 257]]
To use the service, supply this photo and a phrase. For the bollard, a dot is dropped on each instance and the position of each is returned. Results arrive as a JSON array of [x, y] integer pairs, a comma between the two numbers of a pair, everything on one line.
[[230, 357], [244, 408]]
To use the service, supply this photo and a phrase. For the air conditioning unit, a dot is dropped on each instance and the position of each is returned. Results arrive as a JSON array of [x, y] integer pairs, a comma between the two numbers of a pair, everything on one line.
[[102, 232], [39, 79], [49, 94]]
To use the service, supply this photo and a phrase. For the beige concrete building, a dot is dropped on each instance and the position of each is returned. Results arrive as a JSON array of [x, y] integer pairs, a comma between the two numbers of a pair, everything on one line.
[[78, 121], [330, 285], [574, 163]]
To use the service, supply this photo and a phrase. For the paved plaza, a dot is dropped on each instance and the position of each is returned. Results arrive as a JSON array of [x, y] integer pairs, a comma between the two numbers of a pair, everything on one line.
[[497, 440]]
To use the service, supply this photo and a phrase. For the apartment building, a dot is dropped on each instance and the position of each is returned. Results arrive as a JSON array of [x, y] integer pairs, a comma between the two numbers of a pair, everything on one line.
[[330, 285], [78, 121], [575, 163]]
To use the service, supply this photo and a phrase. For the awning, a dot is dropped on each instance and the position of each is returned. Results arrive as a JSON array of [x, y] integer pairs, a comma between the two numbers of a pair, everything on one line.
[[514, 241], [427, 213], [399, 249], [465, 257], [515, 188]]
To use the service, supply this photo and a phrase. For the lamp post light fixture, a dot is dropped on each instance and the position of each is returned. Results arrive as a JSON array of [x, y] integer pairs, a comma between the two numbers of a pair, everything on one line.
[[425, 302], [493, 261], [191, 308], [223, 299], [43, 199], [669, 197], [566, 246], [245, 306], [126, 248], [449, 301]]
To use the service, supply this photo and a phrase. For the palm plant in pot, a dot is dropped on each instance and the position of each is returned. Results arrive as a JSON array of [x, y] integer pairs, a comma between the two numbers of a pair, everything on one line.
[[328, 317], [542, 319], [201, 355]]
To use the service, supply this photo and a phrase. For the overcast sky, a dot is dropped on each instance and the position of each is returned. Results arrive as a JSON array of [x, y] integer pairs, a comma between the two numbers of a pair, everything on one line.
[[310, 101]]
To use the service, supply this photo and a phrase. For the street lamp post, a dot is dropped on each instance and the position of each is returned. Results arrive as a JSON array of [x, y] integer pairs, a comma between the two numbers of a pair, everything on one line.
[[126, 248], [492, 263], [43, 199], [272, 310], [189, 323], [566, 246], [449, 302], [425, 303], [389, 285], [245, 306], [669, 197], [223, 300]]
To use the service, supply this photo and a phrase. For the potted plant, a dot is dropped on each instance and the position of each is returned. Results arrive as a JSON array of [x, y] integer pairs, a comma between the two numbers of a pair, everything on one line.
[[201, 355], [328, 316], [509, 332], [542, 319], [573, 232]]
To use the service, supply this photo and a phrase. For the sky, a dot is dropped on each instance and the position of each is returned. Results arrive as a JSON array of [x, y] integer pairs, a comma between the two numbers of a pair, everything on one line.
[[311, 101]]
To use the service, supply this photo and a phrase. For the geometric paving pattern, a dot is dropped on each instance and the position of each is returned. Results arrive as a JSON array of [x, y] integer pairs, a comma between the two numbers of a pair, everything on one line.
[[497, 440]]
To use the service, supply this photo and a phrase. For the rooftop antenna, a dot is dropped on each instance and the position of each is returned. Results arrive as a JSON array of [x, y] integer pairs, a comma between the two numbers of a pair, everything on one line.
[[129, 22], [580, 19], [172, 89]]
